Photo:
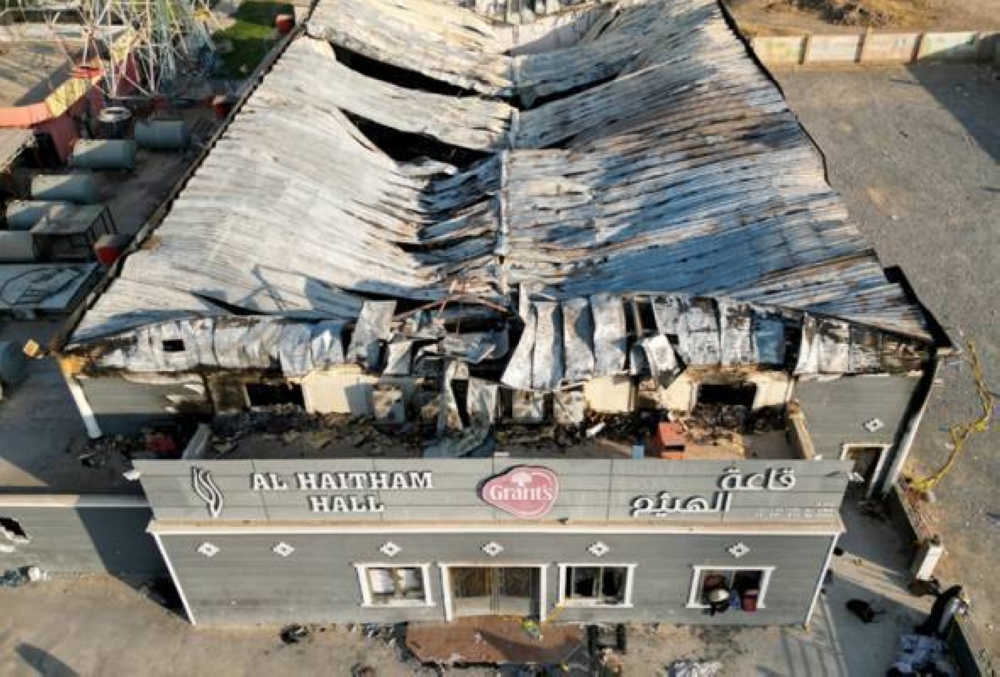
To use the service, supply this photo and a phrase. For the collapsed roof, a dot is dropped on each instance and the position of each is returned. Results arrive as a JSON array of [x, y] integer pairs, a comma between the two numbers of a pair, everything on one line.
[[407, 151]]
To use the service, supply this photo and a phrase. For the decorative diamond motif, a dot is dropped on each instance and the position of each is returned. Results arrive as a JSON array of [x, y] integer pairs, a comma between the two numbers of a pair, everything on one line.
[[492, 548], [283, 549], [873, 425], [208, 549], [598, 549], [390, 549], [738, 550]]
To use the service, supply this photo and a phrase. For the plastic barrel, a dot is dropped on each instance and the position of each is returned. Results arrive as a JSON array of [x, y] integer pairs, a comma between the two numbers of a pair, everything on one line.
[[112, 154], [162, 134], [109, 248], [222, 105], [17, 246], [77, 188], [750, 599], [13, 364], [284, 23], [25, 214]]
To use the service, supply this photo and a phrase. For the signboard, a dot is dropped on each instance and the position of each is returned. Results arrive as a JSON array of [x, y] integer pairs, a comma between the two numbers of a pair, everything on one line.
[[362, 488], [526, 491], [449, 491]]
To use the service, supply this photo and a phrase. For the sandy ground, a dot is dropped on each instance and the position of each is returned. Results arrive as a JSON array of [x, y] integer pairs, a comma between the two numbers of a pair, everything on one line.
[[916, 153], [778, 17]]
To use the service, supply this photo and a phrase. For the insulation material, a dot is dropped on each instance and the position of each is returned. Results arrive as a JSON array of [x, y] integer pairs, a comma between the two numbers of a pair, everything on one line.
[[547, 357], [326, 346], [482, 401], [698, 334], [768, 337], [398, 358], [449, 418], [667, 311], [865, 355], [736, 343], [568, 407], [661, 358], [388, 404], [527, 406], [578, 340], [834, 346], [517, 375], [808, 361], [609, 334], [473, 347], [637, 364], [374, 326], [295, 350]]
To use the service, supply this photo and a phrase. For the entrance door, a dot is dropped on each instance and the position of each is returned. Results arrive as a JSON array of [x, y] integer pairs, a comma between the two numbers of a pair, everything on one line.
[[865, 473], [484, 590]]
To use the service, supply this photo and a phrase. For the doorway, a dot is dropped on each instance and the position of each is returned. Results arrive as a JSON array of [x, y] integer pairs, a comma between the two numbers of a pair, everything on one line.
[[867, 469], [493, 590]]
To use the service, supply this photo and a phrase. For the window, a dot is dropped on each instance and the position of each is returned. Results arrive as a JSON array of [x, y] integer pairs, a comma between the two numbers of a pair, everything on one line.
[[741, 394], [743, 588], [582, 585], [394, 585], [270, 394], [173, 345]]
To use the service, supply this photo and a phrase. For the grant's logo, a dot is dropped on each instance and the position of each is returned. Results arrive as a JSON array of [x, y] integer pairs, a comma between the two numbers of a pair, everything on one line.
[[526, 491], [201, 481]]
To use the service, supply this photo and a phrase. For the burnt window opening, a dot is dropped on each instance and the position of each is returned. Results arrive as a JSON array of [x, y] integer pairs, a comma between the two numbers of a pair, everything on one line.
[[12, 530], [173, 345], [735, 394], [271, 394], [596, 585]]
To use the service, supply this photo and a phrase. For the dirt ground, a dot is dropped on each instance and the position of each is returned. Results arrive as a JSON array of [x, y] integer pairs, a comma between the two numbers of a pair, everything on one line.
[[777, 17], [916, 153]]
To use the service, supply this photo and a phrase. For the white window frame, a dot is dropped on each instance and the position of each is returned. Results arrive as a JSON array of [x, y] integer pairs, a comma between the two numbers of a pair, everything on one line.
[[879, 464], [367, 600], [576, 602], [694, 594]]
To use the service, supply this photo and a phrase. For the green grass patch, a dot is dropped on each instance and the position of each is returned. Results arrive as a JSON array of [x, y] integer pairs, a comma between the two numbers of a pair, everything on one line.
[[250, 37]]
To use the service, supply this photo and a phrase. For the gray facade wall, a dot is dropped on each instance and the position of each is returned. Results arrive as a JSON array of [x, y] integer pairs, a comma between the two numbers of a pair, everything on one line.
[[245, 582], [123, 407], [77, 540], [836, 410]]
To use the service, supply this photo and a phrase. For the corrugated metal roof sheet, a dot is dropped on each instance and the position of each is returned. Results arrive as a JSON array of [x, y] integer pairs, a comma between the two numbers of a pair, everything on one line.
[[12, 141], [662, 160]]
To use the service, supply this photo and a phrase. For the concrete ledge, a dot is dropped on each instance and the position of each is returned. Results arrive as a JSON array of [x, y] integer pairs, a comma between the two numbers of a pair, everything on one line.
[[872, 47]]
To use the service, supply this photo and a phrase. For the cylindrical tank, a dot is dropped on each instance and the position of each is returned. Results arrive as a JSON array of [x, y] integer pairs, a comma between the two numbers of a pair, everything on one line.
[[13, 364], [25, 214], [109, 248], [222, 105], [16, 246], [114, 121], [103, 154], [162, 134], [78, 188]]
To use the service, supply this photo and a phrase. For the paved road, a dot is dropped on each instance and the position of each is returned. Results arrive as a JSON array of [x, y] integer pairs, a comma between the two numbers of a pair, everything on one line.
[[916, 154]]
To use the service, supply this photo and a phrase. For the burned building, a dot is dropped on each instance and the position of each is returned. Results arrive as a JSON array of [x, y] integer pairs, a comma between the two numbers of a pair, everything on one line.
[[569, 319]]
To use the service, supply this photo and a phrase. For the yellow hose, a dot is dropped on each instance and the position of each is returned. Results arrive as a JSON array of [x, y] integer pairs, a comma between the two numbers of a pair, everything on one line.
[[961, 432]]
